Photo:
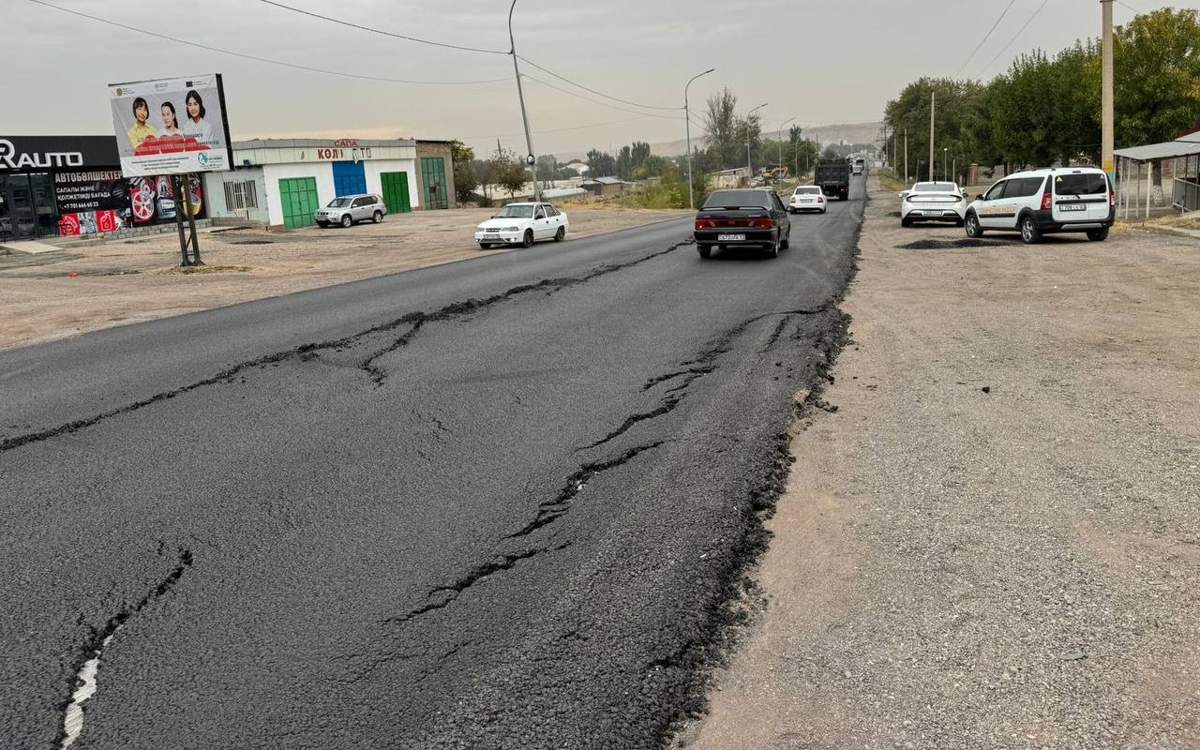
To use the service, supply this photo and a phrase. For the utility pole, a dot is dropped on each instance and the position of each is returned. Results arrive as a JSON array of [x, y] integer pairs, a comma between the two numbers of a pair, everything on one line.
[[530, 159], [906, 156], [932, 115], [688, 120], [1108, 139]]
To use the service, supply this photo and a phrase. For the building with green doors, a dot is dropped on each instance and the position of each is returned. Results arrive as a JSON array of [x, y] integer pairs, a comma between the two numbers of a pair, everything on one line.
[[435, 174]]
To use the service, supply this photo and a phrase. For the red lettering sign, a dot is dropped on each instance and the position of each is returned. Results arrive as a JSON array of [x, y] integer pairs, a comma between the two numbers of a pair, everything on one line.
[[346, 143]]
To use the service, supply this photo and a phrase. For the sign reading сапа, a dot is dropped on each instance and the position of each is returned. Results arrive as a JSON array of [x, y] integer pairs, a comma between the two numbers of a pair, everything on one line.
[[171, 126]]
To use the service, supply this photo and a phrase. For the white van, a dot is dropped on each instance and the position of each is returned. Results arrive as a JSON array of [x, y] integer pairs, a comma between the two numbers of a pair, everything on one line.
[[1046, 201]]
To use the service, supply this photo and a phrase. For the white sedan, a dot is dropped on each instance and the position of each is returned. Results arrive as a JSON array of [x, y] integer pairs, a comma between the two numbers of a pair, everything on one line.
[[807, 198], [933, 201], [523, 224]]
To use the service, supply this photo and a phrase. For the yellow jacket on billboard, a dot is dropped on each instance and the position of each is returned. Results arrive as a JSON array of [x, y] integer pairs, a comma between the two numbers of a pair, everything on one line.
[[139, 132]]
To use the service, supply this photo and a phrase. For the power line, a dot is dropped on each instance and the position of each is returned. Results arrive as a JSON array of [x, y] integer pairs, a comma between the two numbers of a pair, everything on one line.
[[1013, 41], [256, 58], [986, 37], [568, 92], [594, 91], [374, 30], [556, 130]]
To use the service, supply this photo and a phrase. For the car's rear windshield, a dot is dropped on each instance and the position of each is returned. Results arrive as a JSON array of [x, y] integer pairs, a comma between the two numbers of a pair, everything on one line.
[[515, 212], [807, 190], [339, 203], [1089, 183], [738, 199], [935, 187]]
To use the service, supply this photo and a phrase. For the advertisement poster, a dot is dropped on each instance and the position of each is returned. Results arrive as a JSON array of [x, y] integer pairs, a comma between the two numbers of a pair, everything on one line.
[[171, 126], [103, 201]]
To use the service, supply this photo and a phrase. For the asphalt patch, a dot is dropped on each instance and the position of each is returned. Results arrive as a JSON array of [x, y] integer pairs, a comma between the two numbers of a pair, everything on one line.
[[966, 242]]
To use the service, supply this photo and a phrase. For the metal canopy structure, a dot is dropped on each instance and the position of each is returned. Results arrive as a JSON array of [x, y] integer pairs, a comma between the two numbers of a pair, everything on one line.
[[1183, 152]]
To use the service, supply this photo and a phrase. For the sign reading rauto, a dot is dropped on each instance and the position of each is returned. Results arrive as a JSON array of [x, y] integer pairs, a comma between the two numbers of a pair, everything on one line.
[[171, 126]]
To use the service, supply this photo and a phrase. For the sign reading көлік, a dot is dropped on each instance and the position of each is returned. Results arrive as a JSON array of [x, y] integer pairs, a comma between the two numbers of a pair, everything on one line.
[[171, 126]]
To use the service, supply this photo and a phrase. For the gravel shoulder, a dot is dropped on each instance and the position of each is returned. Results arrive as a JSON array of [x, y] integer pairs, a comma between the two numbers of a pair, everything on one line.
[[89, 287], [995, 540]]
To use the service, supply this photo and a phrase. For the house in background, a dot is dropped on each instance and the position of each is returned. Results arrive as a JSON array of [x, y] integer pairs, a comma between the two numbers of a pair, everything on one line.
[[605, 186]]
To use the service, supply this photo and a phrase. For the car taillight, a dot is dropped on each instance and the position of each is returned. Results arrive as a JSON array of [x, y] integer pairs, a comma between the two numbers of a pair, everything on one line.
[[1112, 198], [705, 224], [821, 199], [1046, 201], [762, 223]]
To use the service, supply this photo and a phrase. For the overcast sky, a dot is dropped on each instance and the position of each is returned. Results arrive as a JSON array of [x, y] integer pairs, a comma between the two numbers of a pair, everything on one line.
[[822, 61]]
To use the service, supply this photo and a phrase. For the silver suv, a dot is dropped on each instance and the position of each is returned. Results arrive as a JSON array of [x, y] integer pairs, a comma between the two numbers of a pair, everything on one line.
[[351, 209]]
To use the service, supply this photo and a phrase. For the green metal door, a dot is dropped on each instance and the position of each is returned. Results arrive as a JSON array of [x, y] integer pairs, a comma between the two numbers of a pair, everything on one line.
[[433, 177], [298, 197], [395, 192]]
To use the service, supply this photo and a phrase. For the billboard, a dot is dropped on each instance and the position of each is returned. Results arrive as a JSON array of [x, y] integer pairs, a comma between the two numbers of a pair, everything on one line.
[[104, 201], [171, 126]]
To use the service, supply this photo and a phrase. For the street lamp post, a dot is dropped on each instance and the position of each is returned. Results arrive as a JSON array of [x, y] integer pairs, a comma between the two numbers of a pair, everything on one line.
[[749, 164], [687, 119], [530, 159], [781, 126]]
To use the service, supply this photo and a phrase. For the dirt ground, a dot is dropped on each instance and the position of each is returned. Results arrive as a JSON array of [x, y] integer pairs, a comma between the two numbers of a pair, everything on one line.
[[995, 540], [87, 287]]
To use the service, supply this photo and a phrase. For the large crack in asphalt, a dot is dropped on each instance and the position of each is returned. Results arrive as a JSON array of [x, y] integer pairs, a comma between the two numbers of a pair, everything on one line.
[[87, 664], [415, 320]]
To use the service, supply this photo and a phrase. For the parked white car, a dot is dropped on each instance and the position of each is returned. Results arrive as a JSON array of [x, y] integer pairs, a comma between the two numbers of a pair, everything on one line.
[[523, 224], [807, 198], [1045, 201], [933, 201]]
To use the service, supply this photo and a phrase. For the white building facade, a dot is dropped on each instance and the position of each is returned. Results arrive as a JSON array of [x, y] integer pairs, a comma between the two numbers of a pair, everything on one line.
[[282, 182]]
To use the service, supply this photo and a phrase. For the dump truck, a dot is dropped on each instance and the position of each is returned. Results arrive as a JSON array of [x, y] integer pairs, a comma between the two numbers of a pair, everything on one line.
[[833, 175]]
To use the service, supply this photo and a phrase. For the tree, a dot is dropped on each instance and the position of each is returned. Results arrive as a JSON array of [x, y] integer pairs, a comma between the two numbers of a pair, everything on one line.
[[625, 163], [601, 164], [465, 178], [721, 129], [509, 173]]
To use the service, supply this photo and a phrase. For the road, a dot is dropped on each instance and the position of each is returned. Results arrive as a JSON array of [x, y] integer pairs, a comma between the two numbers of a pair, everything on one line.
[[503, 503]]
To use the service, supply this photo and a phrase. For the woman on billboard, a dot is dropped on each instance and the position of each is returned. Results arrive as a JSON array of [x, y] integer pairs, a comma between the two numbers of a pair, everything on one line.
[[195, 124], [141, 129], [170, 121]]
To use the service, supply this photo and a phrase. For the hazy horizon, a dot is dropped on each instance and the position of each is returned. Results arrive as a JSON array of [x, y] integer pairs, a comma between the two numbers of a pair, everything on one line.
[[863, 53]]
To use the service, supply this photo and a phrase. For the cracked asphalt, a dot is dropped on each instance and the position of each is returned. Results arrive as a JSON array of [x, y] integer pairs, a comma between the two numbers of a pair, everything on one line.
[[500, 504]]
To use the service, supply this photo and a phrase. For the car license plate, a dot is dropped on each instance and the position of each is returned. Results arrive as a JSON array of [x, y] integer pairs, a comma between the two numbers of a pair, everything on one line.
[[731, 238], [1073, 207], [491, 236]]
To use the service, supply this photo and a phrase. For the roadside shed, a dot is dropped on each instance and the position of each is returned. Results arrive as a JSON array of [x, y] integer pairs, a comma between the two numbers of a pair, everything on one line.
[[1179, 159]]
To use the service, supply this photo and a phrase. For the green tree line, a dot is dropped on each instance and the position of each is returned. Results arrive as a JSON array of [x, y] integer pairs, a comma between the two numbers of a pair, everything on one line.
[[1046, 108]]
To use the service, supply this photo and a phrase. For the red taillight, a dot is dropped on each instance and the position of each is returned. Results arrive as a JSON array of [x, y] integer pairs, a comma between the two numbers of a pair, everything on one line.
[[1047, 201], [705, 224], [1112, 198], [763, 223], [821, 199]]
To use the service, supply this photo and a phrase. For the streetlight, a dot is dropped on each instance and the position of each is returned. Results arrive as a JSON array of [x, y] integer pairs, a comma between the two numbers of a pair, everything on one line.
[[785, 122], [530, 159], [688, 121], [749, 164]]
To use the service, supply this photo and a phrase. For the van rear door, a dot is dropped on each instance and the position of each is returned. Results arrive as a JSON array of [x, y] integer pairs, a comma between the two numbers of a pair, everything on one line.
[[1081, 196]]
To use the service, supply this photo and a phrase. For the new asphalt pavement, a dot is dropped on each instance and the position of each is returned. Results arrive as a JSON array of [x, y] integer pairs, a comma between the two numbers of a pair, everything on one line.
[[505, 503]]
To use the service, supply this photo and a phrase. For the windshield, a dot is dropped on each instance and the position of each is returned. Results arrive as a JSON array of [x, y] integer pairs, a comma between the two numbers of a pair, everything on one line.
[[737, 199], [807, 190], [1090, 183], [935, 187], [339, 203], [515, 212]]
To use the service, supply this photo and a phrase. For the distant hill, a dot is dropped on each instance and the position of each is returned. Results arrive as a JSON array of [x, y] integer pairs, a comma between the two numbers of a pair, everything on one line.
[[825, 134]]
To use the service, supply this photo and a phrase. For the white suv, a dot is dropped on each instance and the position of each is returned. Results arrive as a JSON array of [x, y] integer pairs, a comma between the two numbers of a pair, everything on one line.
[[1045, 201]]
